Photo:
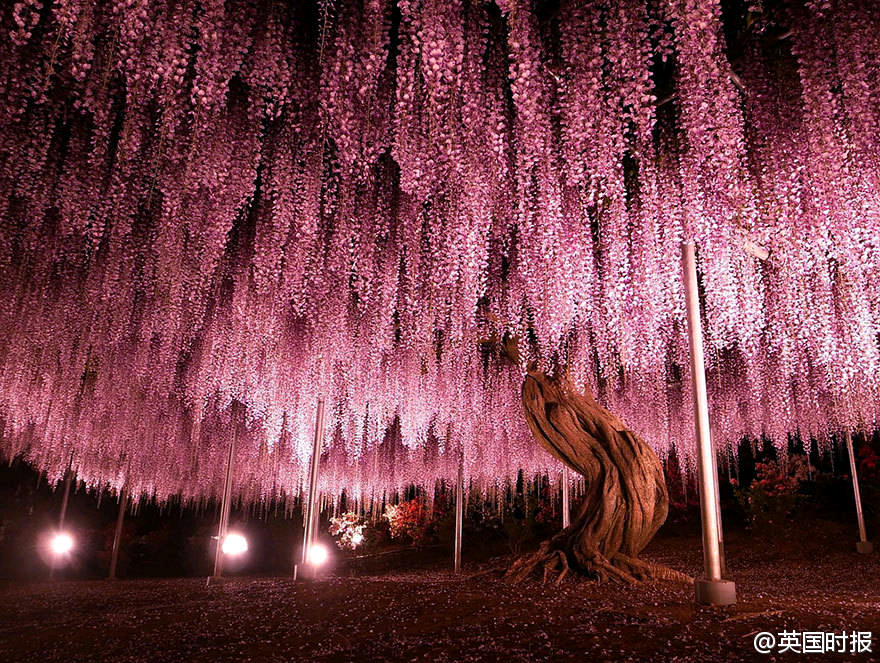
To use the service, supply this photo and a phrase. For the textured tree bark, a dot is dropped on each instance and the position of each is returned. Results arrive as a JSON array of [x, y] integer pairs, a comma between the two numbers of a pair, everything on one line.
[[626, 500]]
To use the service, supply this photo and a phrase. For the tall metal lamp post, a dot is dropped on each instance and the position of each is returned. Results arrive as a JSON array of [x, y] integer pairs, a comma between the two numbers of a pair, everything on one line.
[[224, 511], [311, 514], [459, 511], [712, 589], [862, 545], [117, 534]]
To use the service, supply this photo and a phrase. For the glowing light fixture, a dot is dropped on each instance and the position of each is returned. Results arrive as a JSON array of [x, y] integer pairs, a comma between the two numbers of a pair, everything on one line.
[[318, 554], [234, 544], [357, 539], [61, 543]]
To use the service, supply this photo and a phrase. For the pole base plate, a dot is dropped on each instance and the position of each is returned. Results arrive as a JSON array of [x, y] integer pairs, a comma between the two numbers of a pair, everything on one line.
[[865, 547], [715, 592]]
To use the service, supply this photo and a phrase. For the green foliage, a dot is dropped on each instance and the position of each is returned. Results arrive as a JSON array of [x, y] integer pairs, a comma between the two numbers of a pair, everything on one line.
[[773, 495]]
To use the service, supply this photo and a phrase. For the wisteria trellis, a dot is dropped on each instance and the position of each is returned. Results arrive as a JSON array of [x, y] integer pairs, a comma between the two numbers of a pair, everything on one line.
[[214, 202]]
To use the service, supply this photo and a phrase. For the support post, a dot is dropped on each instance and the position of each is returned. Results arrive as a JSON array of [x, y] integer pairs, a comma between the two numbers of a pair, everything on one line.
[[117, 535], [68, 475], [863, 546], [711, 589], [312, 516], [566, 504], [718, 526], [224, 509], [459, 511]]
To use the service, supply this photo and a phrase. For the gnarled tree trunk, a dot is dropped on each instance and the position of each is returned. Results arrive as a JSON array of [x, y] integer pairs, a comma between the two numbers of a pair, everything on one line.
[[626, 500]]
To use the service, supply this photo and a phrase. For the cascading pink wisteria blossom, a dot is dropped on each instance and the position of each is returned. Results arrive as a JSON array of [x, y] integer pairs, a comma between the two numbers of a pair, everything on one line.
[[214, 213]]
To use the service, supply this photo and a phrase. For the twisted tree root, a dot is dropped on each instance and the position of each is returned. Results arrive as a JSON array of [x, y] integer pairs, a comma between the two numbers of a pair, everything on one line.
[[620, 568], [626, 500]]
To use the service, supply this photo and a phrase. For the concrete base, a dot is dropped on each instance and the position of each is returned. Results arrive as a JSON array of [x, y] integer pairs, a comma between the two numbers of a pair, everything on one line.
[[715, 592], [865, 547]]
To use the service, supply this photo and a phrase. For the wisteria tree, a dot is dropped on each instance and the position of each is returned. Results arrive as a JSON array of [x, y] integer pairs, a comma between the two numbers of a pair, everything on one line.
[[258, 203]]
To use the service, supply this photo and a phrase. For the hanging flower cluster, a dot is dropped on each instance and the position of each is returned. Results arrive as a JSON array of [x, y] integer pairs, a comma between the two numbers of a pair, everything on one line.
[[214, 213]]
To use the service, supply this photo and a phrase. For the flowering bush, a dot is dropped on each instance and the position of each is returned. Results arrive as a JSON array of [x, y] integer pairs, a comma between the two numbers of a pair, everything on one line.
[[773, 494], [349, 528], [411, 521]]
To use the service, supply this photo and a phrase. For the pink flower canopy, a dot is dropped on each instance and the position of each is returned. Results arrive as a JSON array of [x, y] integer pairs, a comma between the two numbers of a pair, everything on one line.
[[215, 212]]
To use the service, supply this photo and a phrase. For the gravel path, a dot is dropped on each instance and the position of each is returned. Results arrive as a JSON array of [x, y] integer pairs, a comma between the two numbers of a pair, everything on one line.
[[807, 583]]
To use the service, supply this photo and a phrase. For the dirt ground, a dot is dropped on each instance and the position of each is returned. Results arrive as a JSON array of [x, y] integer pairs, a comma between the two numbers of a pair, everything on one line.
[[803, 582]]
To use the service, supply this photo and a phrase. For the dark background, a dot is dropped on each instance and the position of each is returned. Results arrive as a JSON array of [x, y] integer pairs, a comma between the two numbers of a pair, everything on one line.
[[175, 538]]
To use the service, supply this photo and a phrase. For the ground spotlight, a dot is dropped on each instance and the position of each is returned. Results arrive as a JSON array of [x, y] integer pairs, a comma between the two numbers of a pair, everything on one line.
[[234, 544], [318, 554], [61, 543]]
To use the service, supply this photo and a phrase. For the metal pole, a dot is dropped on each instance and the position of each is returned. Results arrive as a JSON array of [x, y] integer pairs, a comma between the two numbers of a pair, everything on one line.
[[711, 589], [809, 447], [117, 536], [566, 506], [64, 500], [459, 511], [719, 528], [311, 519], [863, 545], [224, 508]]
